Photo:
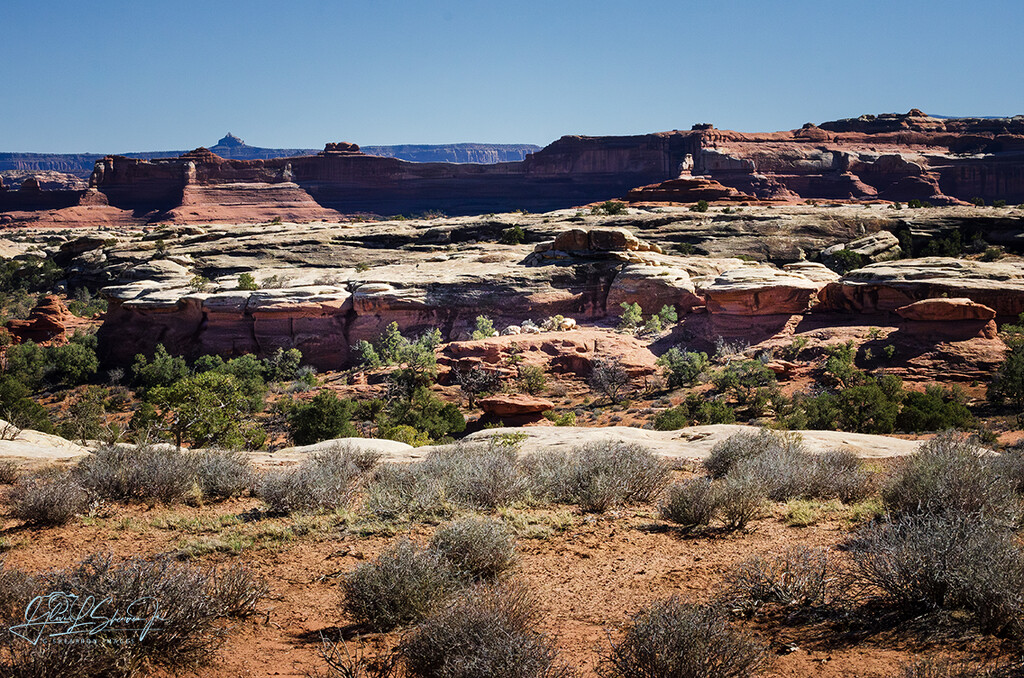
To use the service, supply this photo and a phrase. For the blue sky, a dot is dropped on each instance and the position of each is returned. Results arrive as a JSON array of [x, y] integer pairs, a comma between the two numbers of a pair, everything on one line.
[[119, 76]]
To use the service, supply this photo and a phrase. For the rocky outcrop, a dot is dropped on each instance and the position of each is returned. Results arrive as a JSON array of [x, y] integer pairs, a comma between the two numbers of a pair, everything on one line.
[[891, 285], [948, 319], [47, 323], [872, 248]]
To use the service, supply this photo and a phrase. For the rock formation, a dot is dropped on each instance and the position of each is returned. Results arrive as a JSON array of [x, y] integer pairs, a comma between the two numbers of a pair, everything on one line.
[[47, 323], [894, 157]]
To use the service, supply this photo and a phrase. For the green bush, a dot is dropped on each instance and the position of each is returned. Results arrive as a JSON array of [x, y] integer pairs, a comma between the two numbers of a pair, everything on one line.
[[632, 316], [162, 370], [247, 282], [609, 207], [743, 380], [683, 368], [210, 408], [937, 409], [696, 410], [700, 206], [513, 236], [843, 261], [484, 328], [324, 417]]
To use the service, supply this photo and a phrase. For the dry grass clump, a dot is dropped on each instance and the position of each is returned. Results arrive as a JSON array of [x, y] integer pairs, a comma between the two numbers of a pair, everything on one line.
[[325, 480], [672, 638], [798, 577], [48, 498], [185, 602], [477, 549], [490, 630], [946, 667]]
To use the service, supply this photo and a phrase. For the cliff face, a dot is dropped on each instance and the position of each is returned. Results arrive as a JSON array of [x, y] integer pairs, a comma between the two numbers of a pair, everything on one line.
[[890, 157]]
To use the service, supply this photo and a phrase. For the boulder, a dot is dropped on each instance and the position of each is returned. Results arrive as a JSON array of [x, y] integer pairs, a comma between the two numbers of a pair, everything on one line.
[[514, 405], [946, 310]]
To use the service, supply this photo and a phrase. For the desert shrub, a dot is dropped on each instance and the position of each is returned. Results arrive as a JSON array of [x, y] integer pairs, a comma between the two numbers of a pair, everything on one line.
[[743, 445], [531, 378], [786, 471], [798, 577], [744, 379], [632, 316], [477, 381], [466, 475], [683, 368], [673, 638], [512, 236], [18, 409], [145, 472], [838, 474], [9, 472], [947, 667], [162, 370], [612, 473], [691, 502], [48, 499], [700, 206], [324, 417], [477, 549], [955, 561], [609, 378], [222, 474], [478, 475], [740, 500], [489, 630], [951, 474], [325, 480], [189, 629], [668, 315], [402, 586], [484, 328]]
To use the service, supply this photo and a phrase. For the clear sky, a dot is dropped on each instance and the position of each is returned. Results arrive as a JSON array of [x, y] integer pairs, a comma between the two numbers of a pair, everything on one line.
[[131, 75]]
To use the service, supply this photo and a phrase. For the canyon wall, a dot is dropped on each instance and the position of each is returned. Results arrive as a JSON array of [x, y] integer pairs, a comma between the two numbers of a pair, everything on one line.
[[890, 157]]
